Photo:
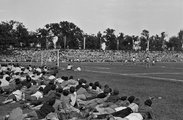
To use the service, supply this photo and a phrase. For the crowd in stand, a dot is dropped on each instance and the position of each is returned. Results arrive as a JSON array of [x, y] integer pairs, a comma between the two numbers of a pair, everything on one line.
[[95, 56], [120, 56], [53, 97]]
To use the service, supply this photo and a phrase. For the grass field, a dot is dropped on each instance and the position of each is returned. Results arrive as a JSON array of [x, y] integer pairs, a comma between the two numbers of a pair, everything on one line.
[[164, 82]]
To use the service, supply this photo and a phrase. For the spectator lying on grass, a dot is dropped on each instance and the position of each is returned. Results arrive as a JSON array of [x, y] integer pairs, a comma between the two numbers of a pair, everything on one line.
[[16, 96], [145, 113]]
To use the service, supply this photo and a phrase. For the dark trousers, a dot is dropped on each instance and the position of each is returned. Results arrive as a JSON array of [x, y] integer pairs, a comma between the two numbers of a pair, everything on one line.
[[123, 113]]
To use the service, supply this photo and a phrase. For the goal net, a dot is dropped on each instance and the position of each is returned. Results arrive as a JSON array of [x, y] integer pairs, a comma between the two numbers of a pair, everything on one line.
[[46, 57]]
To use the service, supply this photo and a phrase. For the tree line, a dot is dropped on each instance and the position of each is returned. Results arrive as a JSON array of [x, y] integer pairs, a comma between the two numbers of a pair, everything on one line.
[[14, 34]]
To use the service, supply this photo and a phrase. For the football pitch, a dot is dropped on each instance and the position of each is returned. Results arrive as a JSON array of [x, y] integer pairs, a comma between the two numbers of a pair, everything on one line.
[[163, 82]]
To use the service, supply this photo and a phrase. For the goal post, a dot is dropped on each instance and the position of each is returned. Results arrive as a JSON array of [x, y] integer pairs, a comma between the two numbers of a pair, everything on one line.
[[46, 57]]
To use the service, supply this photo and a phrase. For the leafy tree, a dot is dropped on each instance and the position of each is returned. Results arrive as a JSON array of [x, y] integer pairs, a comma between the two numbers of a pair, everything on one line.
[[110, 37], [155, 43], [22, 35], [91, 42], [33, 39], [43, 37], [180, 36], [72, 34], [175, 43], [69, 35], [128, 42], [13, 33]]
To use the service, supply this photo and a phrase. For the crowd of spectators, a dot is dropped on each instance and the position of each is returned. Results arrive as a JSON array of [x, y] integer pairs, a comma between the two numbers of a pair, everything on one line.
[[119, 56], [49, 96], [93, 56]]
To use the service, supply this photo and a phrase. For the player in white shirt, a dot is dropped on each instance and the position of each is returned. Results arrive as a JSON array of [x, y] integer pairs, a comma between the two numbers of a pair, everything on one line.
[[148, 62], [69, 67], [134, 60]]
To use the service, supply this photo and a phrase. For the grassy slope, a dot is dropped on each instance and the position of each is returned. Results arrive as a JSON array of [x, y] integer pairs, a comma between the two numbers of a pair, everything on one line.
[[167, 108]]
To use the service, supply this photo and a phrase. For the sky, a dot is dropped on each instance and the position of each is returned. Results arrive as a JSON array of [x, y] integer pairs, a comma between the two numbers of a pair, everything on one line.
[[127, 16]]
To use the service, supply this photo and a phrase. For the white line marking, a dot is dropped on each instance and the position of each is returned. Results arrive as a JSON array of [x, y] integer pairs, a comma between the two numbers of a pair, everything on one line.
[[153, 73], [136, 75], [101, 67], [160, 78]]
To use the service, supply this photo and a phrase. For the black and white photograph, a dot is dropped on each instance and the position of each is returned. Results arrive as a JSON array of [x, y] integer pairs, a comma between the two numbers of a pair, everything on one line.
[[91, 59]]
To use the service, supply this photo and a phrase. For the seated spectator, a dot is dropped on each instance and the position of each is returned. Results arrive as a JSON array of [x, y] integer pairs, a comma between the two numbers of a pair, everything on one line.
[[104, 93], [58, 103], [114, 96], [4, 81], [146, 110], [145, 113], [48, 87], [27, 82], [135, 105], [73, 96]]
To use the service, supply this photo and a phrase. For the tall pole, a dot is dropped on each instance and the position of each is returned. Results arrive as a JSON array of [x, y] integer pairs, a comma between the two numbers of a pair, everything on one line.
[[117, 44], [84, 43], [46, 42], [41, 58], [147, 49], [65, 42], [58, 58]]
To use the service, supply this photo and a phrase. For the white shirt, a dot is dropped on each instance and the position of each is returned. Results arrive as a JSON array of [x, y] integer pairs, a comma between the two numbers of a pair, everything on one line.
[[78, 69], [4, 82], [51, 77], [73, 98], [3, 68], [17, 69], [26, 71], [18, 94], [134, 116], [38, 69], [30, 68], [134, 107], [119, 108], [59, 80], [43, 86], [38, 95], [69, 67]]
